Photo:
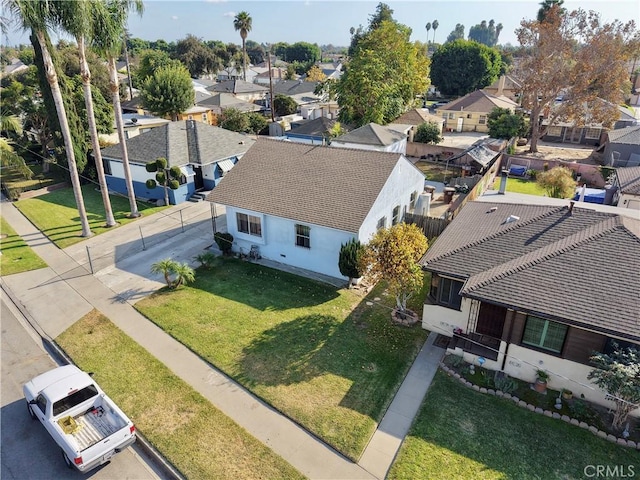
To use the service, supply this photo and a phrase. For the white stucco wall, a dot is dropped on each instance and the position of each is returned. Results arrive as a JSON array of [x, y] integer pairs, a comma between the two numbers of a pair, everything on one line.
[[278, 243], [443, 320], [629, 201], [405, 178], [138, 172]]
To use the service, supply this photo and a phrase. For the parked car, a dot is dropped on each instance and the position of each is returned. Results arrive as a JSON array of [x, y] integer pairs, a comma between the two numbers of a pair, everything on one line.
[[85, 423]]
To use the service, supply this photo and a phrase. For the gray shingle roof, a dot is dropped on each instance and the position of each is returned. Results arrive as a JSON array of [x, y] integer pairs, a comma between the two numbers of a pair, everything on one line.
[[317, 127], [237, 86], [372, 134], [626, 136], [294, 87], [629, 180], [583, 268], [325, 186], [183, 142], [228, 100]]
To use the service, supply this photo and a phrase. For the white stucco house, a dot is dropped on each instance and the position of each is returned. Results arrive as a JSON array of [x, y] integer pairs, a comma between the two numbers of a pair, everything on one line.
[[528, 287], [299, 203], [390, 138], [203, 153]]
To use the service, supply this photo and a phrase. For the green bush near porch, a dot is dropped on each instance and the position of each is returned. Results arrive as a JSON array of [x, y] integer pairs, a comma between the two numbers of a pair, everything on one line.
[[318, 354]]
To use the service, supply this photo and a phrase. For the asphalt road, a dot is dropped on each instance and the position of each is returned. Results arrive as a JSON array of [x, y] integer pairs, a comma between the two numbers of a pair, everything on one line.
[[27, 450]]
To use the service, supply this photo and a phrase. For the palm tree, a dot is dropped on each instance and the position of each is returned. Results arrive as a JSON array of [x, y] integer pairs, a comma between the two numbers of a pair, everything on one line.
[[37, 16], [434, 25], [428, 27], [166, 267], [109, 27], [8, 157], [242, 23], [75, 17], [184, 274]]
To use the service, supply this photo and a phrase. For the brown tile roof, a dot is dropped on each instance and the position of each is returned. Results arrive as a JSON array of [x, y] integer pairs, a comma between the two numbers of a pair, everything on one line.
[[326, 186], [583, 269], [629, 180], [478, 102], [418, 116]]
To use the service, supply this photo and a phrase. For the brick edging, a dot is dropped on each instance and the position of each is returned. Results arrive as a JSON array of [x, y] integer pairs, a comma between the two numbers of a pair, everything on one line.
[[547, 413]]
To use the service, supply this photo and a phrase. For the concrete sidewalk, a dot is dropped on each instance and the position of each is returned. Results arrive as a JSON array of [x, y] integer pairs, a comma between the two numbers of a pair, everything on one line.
[[61, 294]]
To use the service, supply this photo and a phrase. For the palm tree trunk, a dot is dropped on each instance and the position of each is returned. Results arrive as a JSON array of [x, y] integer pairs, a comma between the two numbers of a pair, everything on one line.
[[117, 111], [52, 78], [85, 74], [244, 60]]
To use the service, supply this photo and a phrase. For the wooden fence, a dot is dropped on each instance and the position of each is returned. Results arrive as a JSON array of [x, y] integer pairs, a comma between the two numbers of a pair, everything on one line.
[[431, 226]]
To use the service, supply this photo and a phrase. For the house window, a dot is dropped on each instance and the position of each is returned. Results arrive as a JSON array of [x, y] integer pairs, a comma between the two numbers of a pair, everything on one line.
[[106, 164], [382, 223], [248, 224], [483, 120], [614, 344], [182, 180], [190, 117], [204, 118], [412, 200], [468, 115], [452, 116], [446, 291], [396, 215], [554, 131], [592, 133], [303, 236], [544, 334]]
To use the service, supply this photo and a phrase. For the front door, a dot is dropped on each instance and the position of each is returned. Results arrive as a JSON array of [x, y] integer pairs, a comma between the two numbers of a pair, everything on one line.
[[491, 320], [197, 180]]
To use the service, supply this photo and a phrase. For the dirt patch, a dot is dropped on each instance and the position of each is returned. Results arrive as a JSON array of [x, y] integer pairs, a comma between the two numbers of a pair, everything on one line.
[[564, 153]]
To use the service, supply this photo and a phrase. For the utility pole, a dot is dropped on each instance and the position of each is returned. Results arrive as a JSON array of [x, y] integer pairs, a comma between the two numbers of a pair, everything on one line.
[[273, 118], [126, 59]]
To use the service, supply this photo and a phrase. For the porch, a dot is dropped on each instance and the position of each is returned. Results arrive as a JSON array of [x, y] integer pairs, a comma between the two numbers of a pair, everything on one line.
[[476, 344]]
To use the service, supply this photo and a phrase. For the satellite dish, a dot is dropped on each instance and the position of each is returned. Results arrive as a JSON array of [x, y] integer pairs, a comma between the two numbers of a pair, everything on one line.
[[134, 120]]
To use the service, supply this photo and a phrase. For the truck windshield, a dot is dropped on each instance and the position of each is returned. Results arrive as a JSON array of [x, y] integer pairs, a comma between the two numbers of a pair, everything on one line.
[[74, 399]]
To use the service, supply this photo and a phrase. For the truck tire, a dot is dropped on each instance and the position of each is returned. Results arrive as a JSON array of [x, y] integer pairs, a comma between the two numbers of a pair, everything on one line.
[[66, 460], [31, 414]]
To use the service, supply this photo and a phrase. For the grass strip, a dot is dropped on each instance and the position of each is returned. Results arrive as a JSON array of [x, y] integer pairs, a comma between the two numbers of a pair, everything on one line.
[[16, 256]]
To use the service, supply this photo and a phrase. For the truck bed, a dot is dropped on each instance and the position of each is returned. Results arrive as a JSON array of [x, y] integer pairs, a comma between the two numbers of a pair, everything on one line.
[[95, 425]]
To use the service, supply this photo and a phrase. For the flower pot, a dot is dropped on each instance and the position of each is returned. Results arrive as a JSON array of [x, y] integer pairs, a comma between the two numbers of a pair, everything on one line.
[[567, 395], [540, 386]]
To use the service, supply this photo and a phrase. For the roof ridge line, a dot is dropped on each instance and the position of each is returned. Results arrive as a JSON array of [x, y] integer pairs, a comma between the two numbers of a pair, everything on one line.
[[543, 253]]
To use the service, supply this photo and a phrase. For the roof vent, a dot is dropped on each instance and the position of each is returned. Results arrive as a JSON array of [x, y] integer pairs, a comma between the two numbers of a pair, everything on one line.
[[492, 209], [511, 218]]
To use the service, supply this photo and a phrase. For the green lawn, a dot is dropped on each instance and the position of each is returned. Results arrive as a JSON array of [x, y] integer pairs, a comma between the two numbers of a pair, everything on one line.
[[16, 255], [317, 353], [56, 213], [191, 433], [463, 434], [12, 178], [520, 185]]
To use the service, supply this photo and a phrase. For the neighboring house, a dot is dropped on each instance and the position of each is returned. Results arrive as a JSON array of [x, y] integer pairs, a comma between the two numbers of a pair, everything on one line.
[[134, 106], [418, 116], [622, 147], [221, 101], [391, 138], [627, 187], [278, 74], [531, 287], [299, 203], [469, 113], [300, 91], [476, 158], [506, 86], [134, 125], [236, 74], [198, 113], [331, 70], [316, 110], [246, 91], [204, 154], [16, 66], [314, 132]]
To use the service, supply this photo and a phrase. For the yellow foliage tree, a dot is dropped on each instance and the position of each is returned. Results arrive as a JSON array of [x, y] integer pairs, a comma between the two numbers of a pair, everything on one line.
[[392, 255], [315, 74], [558, 182]]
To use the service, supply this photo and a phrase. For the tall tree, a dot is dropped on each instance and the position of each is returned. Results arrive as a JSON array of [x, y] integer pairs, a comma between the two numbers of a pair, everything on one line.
[[503, 123], [196, 56], [457, 33], [463, 66], [109, 32], [76, 16], [576, 54], [168, 92], [485, 33], [38, 17], [383, 77], [428, 27], [546, 5], [435, 24], [150, 61], [242, 24], [383, 13], [8, 156], [392, 255]]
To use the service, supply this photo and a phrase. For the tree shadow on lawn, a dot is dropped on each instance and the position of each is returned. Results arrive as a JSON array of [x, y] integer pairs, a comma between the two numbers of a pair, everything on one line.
[[262, 288], [365, 348]]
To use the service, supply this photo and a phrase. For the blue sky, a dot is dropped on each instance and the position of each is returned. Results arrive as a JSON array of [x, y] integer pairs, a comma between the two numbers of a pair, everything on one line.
[[325, 22]]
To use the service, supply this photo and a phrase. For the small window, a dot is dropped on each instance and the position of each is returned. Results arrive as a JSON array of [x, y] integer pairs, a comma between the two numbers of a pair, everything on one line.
[[554, 131], [483, 120], [41, 402], [182, 180], [446, 292], [396, 215], [106, 164], [204, 118], [468, 115], [382, 223], [452, 116], [614, 344], [190, 117], [248, 224], [592, 133], [303, 236], [544, 334], [412, 200]]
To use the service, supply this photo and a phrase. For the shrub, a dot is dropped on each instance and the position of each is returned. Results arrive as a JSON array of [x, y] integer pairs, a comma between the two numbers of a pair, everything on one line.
[[532, 173], [505, 383], [224, 241], [206, 259]]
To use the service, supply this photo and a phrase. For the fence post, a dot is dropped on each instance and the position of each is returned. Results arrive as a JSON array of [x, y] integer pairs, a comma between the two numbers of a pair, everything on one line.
[[213, 218], [90, 263], [181, 221], [144, 247]]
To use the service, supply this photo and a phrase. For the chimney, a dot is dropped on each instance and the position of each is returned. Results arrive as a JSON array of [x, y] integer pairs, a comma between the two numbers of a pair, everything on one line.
[[501, 83], [571, 207], [503, 181]]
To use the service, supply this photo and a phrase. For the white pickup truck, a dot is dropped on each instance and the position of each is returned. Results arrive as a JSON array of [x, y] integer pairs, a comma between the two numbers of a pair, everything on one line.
[[81, 418]]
